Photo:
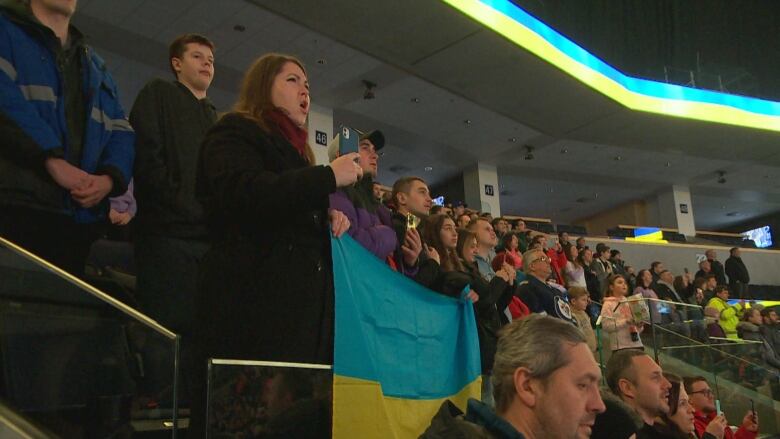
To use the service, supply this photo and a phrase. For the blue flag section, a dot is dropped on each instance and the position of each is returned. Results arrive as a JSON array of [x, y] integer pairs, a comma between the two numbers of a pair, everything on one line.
[[400, 349]]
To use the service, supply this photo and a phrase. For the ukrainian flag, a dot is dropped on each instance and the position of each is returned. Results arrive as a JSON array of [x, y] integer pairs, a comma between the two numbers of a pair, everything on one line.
[[400, 349], [648, 234]]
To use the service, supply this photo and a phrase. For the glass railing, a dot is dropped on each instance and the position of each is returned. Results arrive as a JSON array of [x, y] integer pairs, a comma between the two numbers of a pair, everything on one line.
[[686, 346], [77, 360], [268, 399], [734, 370], [15, 426]]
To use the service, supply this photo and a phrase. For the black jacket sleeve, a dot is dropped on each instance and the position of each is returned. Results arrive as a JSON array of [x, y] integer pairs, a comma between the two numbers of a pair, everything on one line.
[[529, 297], [451, 283], [241, 176], [151, 170], [428, 272], [736, 270], [20, 148], [496, 293]]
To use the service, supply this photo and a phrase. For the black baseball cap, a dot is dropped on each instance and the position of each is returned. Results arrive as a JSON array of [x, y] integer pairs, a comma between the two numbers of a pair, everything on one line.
[[375, 137]]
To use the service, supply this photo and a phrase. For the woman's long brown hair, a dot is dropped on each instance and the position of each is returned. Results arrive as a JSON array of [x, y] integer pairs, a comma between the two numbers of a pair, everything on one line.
[[430, 234], [254, 99]]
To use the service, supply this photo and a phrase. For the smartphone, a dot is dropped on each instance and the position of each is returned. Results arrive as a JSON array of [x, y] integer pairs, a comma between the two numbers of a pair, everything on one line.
[[348, 141], [411, 221], [753, 411]]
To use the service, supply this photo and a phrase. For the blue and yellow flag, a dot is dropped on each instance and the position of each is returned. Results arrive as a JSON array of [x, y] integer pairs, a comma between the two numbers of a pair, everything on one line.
[[648, 234], [400, 349]]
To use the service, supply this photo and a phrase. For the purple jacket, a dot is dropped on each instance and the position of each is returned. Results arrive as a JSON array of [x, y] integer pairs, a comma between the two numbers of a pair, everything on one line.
[[373, 231], [125, 202]]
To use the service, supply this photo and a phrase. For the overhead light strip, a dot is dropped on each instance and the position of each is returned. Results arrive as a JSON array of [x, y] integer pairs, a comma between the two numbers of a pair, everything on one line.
[[526, 31]]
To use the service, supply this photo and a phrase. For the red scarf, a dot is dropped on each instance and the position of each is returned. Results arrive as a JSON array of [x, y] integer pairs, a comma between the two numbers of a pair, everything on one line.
[[294, 134]]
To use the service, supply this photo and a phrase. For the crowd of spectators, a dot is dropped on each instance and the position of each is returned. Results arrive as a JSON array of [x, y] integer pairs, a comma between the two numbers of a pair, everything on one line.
[[546, 385], [234, 219]]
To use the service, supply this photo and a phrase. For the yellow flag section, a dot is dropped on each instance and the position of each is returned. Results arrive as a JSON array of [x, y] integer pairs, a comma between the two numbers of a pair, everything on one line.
[[400, 349], [360, 410]]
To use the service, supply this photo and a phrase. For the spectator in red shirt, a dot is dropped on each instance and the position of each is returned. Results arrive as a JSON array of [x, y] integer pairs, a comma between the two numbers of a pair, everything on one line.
[[509, 253], [707, 420]]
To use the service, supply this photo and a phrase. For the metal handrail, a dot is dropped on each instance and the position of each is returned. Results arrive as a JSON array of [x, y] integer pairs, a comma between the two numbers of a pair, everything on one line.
[[132, 312], [20, 425]]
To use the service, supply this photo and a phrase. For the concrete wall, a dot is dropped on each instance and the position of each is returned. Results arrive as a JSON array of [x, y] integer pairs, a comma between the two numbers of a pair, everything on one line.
[[632, 213], [762, 264], [474, 181]]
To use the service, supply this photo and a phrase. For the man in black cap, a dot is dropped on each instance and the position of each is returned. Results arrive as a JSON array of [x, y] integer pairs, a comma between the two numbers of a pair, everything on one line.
[[370, 222]]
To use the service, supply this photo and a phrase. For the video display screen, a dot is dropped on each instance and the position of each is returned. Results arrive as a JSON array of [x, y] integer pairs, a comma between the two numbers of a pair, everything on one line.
[[762, 236]]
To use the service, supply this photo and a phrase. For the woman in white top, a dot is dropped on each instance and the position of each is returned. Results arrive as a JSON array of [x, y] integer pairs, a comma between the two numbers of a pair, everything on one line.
[[573, 272], [643, 280], [616, 317]]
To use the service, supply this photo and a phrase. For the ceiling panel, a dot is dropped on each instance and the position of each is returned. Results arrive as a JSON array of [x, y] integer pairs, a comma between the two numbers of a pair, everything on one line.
[[152, 17], [514, 83], [426, 51], [552, 198], [110, 11], [717, 213], [367, 25]]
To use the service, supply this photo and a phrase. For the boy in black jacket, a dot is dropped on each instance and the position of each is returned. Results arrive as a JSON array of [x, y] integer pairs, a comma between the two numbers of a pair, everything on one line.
[[171, 119]]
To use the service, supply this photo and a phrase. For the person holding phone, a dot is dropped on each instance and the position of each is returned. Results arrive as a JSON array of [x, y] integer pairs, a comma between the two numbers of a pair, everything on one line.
[[411, 202], [370, 222], [266, 287], [708, 419]]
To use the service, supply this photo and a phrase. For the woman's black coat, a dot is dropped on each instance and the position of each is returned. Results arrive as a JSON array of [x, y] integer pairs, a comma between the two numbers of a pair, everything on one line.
[[266, 287]]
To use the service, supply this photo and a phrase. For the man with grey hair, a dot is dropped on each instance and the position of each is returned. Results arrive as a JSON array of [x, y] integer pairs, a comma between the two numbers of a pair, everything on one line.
[[546, 386], [534, 291], [634, 377]]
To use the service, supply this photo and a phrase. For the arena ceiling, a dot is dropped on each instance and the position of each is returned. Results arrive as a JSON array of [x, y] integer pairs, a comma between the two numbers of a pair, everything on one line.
[[451, 92]]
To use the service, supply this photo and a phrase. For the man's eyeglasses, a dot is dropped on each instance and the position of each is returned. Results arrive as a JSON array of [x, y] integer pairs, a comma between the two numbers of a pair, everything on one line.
[[706, 392], [543, 258]]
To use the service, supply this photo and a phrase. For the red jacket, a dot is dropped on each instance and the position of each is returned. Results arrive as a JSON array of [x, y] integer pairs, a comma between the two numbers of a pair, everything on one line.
[[557, 262], [514, 259], [700, 422]]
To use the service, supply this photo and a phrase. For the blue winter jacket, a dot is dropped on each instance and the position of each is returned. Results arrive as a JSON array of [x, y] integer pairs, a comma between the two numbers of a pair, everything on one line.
[[33, 123]]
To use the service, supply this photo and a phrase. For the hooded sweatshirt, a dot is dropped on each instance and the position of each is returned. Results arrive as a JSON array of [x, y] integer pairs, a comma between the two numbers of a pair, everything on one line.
[[369, 221]]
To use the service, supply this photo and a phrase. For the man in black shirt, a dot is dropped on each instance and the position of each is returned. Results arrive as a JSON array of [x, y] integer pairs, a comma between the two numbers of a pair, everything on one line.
[[716, 267], [635, 378], [739, 278], [171, 119]]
